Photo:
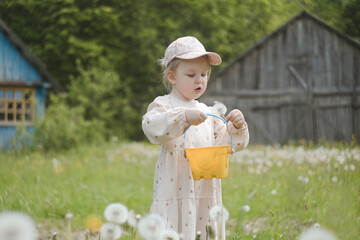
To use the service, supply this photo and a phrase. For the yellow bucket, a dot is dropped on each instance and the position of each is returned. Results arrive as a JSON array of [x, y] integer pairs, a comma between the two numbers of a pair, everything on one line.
[[209, 162]]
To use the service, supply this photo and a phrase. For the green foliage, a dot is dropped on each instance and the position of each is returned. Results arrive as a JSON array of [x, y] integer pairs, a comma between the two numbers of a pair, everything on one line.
[[64, 127], [351, 16], [132, 35], [102, 95]]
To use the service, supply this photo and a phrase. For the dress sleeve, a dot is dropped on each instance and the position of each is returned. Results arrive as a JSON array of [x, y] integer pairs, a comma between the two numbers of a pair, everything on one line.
[[240, 136], [162, 123]]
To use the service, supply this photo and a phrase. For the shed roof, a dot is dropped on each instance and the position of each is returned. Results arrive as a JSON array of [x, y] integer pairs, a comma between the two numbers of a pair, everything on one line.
[[29, 56], [302, 14]]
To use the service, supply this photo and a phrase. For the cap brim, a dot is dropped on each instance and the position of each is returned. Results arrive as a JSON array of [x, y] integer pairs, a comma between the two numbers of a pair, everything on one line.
[[214, 58]]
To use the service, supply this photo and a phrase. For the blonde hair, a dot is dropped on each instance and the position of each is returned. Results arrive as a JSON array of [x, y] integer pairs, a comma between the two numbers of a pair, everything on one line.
[[172, 66]]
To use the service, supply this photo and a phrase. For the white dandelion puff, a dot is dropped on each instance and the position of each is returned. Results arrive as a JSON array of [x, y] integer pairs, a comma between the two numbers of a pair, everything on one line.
[[352, 167], [69, 216], [303, 179], [116, 213], [273, 192], [110, 231], [317, 234], [316, 225], [17, 226], [133, 219], [169, 235], [245, 208], [334, 179], [219, 214], [219, 108], [151, 226]]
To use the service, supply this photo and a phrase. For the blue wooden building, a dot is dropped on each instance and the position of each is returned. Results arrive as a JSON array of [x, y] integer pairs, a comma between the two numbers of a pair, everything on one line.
[[24, 83]]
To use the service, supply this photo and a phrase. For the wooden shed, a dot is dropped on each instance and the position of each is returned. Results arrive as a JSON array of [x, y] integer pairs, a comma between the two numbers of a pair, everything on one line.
[[24, 82], [300, 82]]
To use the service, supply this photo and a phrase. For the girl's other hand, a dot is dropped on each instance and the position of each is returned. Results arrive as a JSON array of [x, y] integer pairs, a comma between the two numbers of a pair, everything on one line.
[[194, 116], [237, 118]]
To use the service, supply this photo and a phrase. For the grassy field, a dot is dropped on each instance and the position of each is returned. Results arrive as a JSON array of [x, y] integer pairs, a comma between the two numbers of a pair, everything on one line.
[[287, 189]]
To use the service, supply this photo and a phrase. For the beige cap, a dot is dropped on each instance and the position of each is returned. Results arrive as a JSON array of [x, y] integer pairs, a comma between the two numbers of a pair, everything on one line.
[[189, 48]]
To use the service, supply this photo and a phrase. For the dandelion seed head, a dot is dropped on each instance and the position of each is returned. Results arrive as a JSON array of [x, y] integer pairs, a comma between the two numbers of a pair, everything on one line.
[[317, 234], [273, 192], [219, 214], [169, 235], [352, 167], [116, 213], [133, 219], [303, 179], [69, 216], [334, 179], [219, 108], [151, 226], [17, 226], [245, 208], [316, 225], [110, 231]]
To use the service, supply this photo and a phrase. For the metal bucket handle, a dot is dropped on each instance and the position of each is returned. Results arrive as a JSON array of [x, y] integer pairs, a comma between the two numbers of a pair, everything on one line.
[[213, 115]]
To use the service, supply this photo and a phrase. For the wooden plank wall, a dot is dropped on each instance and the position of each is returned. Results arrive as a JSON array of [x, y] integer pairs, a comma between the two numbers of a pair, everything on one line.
[[301, 83], [13, 66]]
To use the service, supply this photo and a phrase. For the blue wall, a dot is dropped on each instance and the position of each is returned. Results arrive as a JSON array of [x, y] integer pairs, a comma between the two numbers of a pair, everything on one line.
[[14, 67]]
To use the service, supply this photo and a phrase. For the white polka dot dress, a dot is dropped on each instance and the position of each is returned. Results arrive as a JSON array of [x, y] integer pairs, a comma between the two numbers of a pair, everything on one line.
[[182, 202]]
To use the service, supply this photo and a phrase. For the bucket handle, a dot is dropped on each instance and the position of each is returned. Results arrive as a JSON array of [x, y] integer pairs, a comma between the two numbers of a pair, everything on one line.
[[213, 115]]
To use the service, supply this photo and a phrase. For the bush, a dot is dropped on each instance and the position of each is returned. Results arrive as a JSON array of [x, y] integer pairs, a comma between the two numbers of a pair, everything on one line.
[[102, 96], [64, 127]]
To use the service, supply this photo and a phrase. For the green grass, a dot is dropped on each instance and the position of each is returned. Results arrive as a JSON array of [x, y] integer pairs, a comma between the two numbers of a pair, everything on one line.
[[85, 180]]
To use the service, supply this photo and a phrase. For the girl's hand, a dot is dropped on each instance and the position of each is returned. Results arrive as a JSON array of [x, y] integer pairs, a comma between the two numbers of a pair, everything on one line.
[[237, 118], [194, 116]]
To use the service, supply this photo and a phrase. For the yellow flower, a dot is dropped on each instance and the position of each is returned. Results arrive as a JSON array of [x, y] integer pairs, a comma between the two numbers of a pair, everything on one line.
[[93, 223], [58, 170]]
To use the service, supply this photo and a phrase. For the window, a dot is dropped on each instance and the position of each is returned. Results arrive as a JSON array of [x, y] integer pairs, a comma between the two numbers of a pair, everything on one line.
[[16, 105]]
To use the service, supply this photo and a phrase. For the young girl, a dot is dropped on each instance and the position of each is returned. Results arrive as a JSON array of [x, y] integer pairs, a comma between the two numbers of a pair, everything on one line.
[[181, 201]]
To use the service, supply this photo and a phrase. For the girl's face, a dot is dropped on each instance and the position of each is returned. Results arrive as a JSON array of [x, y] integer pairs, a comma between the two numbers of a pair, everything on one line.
[[190, 78]]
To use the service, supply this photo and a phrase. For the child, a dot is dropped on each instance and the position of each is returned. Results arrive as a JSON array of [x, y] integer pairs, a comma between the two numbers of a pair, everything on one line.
[[181, 201]]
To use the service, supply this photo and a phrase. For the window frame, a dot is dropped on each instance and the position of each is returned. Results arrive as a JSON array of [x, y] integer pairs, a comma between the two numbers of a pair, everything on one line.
[[15, 111]]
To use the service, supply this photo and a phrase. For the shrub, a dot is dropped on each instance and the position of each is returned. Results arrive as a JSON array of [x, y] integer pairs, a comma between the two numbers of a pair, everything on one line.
[[64, 127]]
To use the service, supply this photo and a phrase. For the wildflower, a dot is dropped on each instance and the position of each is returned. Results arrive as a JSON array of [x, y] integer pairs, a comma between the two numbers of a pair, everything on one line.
[[220, 108], [352, 167], [93, 224], [334, 179], [303, 179], [110, 231], [169, 235], [151, 226], [219, 214], [317, 234], [116, 213], [273, 192], [245, 208], [57, 166], [316, 225], [69, 216], [198, 235], [133, 219], [17, 226]]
